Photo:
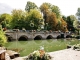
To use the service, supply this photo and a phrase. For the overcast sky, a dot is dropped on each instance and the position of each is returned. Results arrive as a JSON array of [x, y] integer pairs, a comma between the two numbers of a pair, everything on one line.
[[67, 7]]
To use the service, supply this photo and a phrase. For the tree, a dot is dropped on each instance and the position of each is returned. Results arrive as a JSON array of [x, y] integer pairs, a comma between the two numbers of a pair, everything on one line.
[[52, 21], [51, 15], [58, 25], [76, 23], [30, 5], [56, 10], [46, 14], [6, 18], [63, 25], [34, 17], [18, 18], [1, 18], [45, 10], [70, 20], [3, 38], [78, 14], [64, 18]]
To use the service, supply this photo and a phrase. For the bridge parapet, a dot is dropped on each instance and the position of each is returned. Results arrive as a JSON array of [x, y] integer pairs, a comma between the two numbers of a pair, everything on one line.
[[19, 34]]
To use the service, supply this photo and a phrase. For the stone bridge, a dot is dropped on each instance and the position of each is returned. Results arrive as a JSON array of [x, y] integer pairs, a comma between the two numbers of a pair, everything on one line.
[[34, 35]]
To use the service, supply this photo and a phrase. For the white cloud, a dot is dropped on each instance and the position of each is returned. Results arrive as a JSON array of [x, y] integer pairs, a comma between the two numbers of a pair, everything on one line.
[[5, 8], [67, 7]]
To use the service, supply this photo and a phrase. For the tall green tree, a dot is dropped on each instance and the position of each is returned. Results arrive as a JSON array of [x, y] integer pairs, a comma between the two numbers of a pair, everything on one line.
[[52, 21], [45, 11], [76, 23], [63, 26], [6, 18], [78, 14], [18, 18], [3, 38], [30, 5], [56, 10], [1, 18], [51, 15], [70, 20], [34, 17], [64, 18]]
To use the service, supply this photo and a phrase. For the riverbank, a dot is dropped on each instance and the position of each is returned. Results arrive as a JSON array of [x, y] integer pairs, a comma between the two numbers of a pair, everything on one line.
[[66, 54]]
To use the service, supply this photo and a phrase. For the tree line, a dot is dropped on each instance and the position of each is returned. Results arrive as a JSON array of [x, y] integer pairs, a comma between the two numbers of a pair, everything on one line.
[[47, 17]]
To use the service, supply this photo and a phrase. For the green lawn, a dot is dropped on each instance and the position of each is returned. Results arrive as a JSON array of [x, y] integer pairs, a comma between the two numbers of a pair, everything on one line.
[[26, 47]]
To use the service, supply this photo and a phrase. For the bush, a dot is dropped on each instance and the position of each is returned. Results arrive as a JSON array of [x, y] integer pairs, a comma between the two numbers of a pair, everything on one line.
[[39, 55], [3, 38]]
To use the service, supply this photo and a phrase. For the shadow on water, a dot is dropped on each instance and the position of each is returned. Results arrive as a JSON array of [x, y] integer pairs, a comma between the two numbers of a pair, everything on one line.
[[49, 40]]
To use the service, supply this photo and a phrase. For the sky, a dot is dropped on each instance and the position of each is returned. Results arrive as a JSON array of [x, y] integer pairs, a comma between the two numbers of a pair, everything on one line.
[[67, 7]]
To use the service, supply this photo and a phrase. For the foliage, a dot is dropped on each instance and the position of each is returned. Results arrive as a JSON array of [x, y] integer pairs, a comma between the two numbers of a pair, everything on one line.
[[56, 10], [64, 18], [39, 55], [77, 21], [1, 18], [70, 20], [30, 5], [49, 17], [75, 47], [52, 21], [44, 9], [34, 17], [76, 24], [18, 18], [63, 25], [6, 20], [78, 13], [52, 16], [3, 38]]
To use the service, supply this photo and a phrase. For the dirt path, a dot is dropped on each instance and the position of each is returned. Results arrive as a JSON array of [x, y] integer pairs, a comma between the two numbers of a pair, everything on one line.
[[67, 54]]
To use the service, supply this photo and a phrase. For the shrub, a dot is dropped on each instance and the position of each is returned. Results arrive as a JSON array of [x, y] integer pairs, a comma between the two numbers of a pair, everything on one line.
[[3, 38], [39, 55]]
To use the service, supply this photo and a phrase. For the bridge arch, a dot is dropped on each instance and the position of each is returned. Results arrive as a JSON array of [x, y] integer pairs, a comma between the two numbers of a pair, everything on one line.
[[23, 38], [49, 37], [9, 38], [58, 37], [38, 37]]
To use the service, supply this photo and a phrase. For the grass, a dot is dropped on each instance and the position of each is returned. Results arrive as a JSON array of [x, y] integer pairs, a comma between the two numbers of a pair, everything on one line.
[[26, 47]]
